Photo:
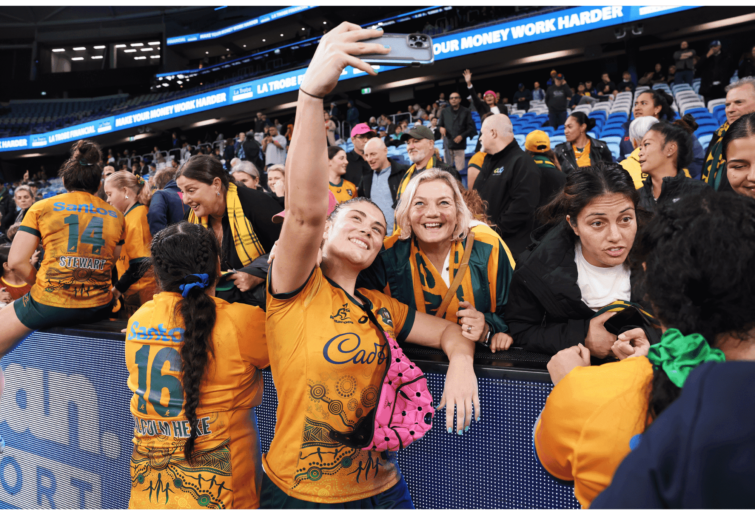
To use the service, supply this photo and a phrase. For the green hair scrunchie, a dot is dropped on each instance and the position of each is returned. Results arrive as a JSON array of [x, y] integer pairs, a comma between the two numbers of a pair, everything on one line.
[[679, 355]]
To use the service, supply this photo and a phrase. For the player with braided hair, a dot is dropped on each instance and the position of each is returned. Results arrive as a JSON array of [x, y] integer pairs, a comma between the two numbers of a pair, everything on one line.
[[130, 194], [207, 355]]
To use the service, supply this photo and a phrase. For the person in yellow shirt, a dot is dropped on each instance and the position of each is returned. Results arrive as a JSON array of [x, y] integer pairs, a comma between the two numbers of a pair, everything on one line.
[[81, 237], [130, 194], [473, 168], [327, 338], [419, 266], [596, 415], [342, 189], [194, 365]]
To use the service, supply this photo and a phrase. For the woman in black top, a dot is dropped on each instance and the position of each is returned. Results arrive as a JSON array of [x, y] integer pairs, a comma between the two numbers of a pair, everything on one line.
[[579, 148], [557, 298], [665, 151], [241, 219]]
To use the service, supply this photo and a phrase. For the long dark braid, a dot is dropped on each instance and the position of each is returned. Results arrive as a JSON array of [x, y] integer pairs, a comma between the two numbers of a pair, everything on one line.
[[179, 251]]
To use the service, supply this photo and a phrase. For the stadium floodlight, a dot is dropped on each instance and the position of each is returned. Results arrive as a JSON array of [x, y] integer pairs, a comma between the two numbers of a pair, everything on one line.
[[79, 48], [120, 46], [137, 44], [99, 47], [165, 84], [129, 50], [180, 81], [146, 49], [77, 58], [97, 57], [154, 43], [154, 57], [180, 76], [58, 49], [136, 58]]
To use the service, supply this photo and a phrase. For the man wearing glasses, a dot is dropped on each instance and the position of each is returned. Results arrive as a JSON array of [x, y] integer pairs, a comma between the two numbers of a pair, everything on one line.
[[456, 125]]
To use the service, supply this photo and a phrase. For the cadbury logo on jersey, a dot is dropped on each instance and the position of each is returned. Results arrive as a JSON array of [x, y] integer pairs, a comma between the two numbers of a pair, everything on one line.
[[347, 348], [62, 206]]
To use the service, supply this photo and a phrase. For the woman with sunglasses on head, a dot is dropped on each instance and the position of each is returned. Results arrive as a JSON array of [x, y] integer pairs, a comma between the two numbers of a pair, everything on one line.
[[665, 151], [326, 338]]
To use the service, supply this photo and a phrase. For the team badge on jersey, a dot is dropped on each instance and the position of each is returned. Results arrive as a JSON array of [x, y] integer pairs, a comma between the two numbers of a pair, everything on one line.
[[498, 171], [342, 316]]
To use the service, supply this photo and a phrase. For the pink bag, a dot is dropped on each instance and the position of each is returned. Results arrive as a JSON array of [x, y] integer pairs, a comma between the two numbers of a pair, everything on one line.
[[404, 411]]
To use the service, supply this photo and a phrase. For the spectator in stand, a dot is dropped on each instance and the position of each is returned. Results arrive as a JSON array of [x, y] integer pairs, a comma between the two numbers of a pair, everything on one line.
[[671, 77], [489, 102], [552, 179], [579, 149], [739, 153], [747, 66], [165, 207], [665, 151], [335, 113], [590, 90], [7, 204], [276, 182], [174, 141], [442, 100], [716, 68], [23, 198], [557, 99], [473, 170], [626, 83], [229, 153], [740, 100], [537, 93], [352, 115], [435, 129], [247, 149], [260, 122], [278, 126], [637, 130], [433, 199], [110, 159], [143, 168], [274, 146], [509, 181], [240, 218], [685, 64], [330, 129], [695, 167], [578, 95], [246, 174], [382, 184], [420, 145], [606, 87], [456, 125], [185, 153], [522, 98], [655, 103], [698, 280], [136, 169], [12, 285], [383, 121], [579, 266], [342, 189], [552, 79], [156, 154], [136, 284], [358, 167]]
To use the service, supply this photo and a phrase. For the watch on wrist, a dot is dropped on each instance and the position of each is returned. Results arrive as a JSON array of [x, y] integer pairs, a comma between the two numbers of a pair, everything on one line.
[[486, 341]]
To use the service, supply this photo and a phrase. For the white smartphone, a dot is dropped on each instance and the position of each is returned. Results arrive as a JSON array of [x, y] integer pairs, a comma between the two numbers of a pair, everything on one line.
[[406, 50]]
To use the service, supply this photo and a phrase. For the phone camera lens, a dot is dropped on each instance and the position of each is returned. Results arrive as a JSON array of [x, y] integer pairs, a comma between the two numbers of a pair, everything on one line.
[[412, 38]]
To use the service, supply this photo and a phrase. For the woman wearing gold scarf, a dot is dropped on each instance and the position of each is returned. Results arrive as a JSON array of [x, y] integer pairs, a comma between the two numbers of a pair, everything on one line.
[[241, 219], [419, 265]]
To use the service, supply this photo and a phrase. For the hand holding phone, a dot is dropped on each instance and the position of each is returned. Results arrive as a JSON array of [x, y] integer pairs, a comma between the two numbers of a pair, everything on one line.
[[405, 49]]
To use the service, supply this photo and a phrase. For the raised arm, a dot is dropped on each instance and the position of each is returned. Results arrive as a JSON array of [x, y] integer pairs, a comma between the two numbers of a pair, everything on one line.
[[307, 163]]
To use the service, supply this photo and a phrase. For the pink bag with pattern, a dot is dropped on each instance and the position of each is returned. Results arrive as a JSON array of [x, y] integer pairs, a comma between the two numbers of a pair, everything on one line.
[[404, 411]]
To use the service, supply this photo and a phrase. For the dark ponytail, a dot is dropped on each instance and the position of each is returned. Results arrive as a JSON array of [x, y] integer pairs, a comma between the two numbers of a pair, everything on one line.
[[179, 251], [699, 254], [583, 119], [683, 140], [688, 123], [82, 171], [664, 100]]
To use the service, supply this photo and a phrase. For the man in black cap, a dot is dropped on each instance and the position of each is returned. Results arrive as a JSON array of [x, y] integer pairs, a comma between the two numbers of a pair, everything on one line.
[[716, 69], [557, 99], [420, 145], [522, 98]]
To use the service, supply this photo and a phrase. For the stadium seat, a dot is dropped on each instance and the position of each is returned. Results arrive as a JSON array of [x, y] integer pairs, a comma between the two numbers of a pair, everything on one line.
[[705, 140]]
